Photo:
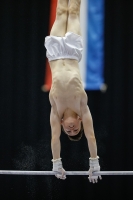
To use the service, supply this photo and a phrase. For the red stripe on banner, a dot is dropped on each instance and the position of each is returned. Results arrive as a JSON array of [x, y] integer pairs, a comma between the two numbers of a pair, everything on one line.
[[48, 76]]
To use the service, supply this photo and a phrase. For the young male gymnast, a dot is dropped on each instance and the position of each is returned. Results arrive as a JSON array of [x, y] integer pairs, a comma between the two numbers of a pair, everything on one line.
[[67, 97]]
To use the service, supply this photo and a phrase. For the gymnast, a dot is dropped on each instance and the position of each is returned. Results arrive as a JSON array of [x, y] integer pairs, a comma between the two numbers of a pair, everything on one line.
[[69, 109]]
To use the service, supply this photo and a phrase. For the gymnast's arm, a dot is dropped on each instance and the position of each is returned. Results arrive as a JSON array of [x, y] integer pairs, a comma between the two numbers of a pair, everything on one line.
[[88, 128], [55, 133]]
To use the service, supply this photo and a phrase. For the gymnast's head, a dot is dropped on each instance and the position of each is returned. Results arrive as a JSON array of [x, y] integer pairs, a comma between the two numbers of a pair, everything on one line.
[[72, 126]]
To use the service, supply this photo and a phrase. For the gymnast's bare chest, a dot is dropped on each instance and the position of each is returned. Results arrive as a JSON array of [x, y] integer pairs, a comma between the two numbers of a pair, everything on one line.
[[62, 103], [66, 98]]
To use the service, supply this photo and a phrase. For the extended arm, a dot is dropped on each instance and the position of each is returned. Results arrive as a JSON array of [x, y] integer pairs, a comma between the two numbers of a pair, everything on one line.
[[89, 130], [55, 133], [55, 144], [89, 133]]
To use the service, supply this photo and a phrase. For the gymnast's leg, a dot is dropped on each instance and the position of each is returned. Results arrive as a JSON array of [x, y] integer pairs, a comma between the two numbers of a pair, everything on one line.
[[73, 24], [60, 24]]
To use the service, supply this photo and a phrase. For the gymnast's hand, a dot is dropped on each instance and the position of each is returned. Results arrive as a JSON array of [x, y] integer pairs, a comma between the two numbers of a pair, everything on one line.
[[58, 169], [94, 167]]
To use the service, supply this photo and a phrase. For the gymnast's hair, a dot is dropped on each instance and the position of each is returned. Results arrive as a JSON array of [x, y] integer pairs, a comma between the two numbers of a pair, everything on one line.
[[76, 137]]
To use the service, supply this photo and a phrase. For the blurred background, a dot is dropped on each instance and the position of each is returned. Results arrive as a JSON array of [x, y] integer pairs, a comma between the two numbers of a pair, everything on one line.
[[25, 133]]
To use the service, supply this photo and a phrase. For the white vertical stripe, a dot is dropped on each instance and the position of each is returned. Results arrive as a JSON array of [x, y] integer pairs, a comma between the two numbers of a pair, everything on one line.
[[84, 24]]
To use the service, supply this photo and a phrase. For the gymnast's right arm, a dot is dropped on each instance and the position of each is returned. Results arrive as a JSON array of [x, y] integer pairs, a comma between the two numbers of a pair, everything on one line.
[[55, 144], [55, 133]]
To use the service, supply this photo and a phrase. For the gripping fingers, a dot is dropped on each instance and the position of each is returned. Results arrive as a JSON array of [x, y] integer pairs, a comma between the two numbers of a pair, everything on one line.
[[93, 179], [60, 177], [100, 177], [61, 174]]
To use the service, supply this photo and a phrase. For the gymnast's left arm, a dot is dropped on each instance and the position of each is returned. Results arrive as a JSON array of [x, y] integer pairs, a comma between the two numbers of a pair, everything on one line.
[[90, 136]]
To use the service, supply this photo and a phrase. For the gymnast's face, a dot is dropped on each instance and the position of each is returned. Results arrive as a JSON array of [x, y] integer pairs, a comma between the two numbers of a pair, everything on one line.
[[71, 125]]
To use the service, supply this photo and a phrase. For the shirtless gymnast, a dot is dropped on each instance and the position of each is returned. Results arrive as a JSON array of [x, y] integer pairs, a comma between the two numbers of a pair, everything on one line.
[[68, 99]]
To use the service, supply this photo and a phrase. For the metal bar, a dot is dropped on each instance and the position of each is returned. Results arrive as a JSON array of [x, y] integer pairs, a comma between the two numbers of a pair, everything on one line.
[[16, 172]]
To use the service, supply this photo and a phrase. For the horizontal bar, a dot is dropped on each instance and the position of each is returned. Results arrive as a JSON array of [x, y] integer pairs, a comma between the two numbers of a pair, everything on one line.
[[14, 172]]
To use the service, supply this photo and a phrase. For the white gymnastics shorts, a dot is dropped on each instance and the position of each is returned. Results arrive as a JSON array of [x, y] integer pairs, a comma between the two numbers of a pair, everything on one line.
[[68, 47]]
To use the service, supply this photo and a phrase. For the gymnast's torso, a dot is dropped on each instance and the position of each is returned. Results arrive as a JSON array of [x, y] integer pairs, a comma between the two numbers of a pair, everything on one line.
[[67, 90]]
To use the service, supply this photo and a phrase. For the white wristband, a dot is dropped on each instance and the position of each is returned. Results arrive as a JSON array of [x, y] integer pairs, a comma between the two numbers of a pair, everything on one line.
[[57, 164], [94, 158], [94, 162], [55, 160]]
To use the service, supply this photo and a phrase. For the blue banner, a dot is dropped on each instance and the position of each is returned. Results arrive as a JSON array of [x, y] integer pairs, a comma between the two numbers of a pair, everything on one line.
[[95, 45]]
